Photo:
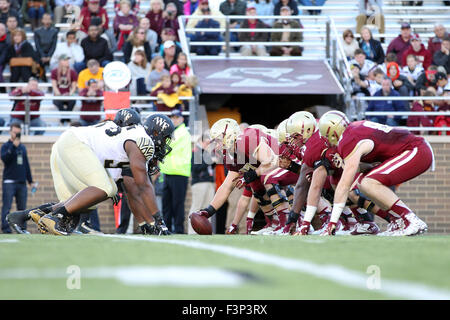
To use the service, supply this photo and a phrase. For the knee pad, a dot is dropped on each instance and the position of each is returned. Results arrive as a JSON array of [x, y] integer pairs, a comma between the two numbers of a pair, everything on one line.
[[363, 199], [259, 196], [275, 190]]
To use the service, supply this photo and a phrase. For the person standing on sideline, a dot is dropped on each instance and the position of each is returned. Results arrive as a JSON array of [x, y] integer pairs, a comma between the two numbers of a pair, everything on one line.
[[202, 170], [176, 169], [16, 173]]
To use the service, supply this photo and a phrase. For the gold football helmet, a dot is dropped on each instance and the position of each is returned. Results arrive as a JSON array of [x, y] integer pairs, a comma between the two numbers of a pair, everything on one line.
[[226, 130], [282, 133], [273, 133], [332, 124], [301, 126]]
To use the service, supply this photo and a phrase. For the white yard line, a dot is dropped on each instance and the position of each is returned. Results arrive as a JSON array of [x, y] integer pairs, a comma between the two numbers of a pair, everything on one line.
[[333, 273], [9, 240]]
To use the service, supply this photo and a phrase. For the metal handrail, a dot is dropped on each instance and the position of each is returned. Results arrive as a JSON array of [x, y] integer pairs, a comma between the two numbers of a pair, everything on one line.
[[65, 98], [408, 98]]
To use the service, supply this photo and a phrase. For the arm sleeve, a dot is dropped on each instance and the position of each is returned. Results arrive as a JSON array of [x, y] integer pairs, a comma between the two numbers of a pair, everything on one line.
[[8, 153]]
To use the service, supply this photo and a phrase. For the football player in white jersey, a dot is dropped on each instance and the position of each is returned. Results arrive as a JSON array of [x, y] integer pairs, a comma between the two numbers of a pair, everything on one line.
[[80, 159]]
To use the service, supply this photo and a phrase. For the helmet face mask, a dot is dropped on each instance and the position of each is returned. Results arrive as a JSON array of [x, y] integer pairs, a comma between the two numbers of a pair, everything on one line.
[[224, 133], [160, 128], [332, 125]]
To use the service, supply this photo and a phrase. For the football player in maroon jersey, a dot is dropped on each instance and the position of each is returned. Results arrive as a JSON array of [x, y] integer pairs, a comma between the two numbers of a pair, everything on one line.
[[403, 156]]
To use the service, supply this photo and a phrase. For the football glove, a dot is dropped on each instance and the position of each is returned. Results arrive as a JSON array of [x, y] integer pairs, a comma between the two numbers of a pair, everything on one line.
[[116, 199], [233, 229], [239, 182], [250, 176], [249, 225]]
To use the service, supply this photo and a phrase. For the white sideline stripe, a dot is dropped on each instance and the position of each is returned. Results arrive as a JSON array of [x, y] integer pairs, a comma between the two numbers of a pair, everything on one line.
[[9, 240], [334, 273]]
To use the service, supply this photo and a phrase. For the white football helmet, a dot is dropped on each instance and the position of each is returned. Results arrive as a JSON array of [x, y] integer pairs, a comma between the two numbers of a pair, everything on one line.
[[301, 126], [226, 130]]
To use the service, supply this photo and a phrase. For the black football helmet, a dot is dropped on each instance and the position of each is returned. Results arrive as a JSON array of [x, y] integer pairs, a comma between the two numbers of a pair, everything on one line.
[[160, 128], [127, 117]]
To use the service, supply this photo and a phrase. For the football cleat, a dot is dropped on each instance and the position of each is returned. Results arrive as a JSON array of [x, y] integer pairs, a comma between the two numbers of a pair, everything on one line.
[[17, 220], [413, 226], [85, 228], [393, 227], [53, 223], [148, 228], [233, 229], [269, 227], [288, 229], [35, 216], [249, 225], [365, 227], [303, 230]]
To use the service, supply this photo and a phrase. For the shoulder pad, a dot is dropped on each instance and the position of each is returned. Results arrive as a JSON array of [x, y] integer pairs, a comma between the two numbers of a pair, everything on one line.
[[146, 146]]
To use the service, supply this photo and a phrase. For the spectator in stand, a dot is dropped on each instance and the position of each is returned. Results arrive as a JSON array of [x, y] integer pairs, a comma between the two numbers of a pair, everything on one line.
[[292, 4], [349, 44], [124, 23], [45, 39], [158, 70], [69, 48], [166, 94], [315, 3], [135, 6], [176, 81], [442, 57], [286, 36], [233, 8], [426, 80], [401, 43], [6, 11], [181, 67], [170, 56], [360, 86], [93, 71], [16, 174], [197, 16], [386, 105], [64, 7], [370, 12], [371, 47], [178, 4], [30, 89], [207, 22], [32, 11], [203, 186], [375, 84], [390, 57], [421, 106], [434, 43], [20, 48], [190, 6], [155, 15], [4, 44], [187, 89], [400, 83], [140, 71], [176, 169], [11, 25], [412, 70], [442, 120], [93, 90], [93, 10], [252, 23], [169, 34], [94, 47], [170, 17], [150, 35], [364, 64], [136, 41], [417, 49], [64, 83], [442, 83], [264, 8]]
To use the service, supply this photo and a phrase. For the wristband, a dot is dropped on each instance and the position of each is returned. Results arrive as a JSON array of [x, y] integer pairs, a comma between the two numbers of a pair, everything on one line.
[[211, 211], [309, 213], [336, 213]]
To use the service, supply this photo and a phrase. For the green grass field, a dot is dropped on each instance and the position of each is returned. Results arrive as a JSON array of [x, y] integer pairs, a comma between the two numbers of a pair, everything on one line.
[[259, 267]]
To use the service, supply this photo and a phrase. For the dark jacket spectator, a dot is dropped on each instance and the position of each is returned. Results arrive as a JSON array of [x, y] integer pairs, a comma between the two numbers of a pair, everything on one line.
[[178, 4], [233, 8], [373, 49], [155, 15], [95, 47], [386, 105], [4, 45], [442, 57], [45, 39], [400, 44], [92, 10], [33, 10], [207, 36], [400, 82], [418, 50], [6, 11], [252, 23], [136, 40], [434, 43], [170, 17], [282, 3], [92, 90], [20, 48], [286, 36], [426, 79]]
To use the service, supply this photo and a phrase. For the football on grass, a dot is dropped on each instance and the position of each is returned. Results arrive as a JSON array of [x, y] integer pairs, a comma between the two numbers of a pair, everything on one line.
[[200, 224]]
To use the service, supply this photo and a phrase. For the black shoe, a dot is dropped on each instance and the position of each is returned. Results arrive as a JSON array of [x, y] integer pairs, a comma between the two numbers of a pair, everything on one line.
[[85, 228], [54, 224], [148, 229], [17, 221]]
